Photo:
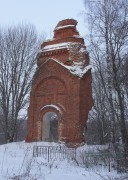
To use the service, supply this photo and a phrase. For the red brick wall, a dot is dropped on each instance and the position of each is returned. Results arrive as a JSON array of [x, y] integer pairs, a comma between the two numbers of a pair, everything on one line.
[[53, 84]]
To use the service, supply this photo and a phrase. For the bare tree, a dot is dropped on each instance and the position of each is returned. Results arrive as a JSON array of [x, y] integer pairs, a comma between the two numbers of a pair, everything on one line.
[[108, 22], [18, 48]]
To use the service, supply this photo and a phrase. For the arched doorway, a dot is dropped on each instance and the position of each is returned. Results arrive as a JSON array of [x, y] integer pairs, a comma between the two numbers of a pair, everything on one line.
[[50, 127]]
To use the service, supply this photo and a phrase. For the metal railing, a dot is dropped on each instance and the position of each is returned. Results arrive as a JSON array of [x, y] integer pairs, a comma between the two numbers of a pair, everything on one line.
[[89, 160], [54, 152], [106, 161]]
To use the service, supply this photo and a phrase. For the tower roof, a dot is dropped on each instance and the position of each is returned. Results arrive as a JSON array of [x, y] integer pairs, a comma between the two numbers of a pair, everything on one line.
[[65, 31], [66, 22], [66, 40]]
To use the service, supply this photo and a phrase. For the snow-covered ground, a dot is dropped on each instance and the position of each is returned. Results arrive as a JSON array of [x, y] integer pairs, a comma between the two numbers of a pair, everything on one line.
[[17, 162]]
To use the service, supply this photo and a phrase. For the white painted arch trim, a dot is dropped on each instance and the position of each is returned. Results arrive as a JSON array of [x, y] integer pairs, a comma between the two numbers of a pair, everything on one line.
[[52, 106]]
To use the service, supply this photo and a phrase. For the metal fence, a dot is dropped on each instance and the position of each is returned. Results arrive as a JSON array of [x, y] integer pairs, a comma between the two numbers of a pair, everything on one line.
[[54, 152], [96, 161], [106, 161]]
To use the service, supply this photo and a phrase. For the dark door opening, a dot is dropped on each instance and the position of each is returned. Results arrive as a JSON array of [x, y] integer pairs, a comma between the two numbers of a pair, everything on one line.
[[50, 127]]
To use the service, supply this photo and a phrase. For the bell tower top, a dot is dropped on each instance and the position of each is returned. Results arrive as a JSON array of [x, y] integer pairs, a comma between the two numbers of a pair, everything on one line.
[[67, 22], [66, 45], [66, 28]]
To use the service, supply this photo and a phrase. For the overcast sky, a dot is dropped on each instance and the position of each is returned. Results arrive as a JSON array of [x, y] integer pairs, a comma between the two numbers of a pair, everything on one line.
[[44, 14]]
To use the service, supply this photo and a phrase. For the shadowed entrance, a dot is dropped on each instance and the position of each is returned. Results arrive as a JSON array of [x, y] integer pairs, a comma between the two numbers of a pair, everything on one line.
[[50, 127]]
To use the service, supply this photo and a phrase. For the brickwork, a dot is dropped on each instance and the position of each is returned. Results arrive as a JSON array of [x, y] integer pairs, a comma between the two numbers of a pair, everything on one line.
[[55, 88]]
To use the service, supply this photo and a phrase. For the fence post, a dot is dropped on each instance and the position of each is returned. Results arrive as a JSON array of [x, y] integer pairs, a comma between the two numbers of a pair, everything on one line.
[[33, 151], [109, 162], [48, 153], [109, 158], [75, 154]]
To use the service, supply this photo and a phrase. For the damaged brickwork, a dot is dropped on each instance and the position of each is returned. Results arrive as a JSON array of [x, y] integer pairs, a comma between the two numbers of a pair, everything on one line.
[[61, 84]]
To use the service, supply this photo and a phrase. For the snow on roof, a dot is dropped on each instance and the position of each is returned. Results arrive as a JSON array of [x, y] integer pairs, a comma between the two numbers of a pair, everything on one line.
[[61, 27], [77, 36], [79, 70], [61, 46], [76, 69], [49, 40], [56, 46]]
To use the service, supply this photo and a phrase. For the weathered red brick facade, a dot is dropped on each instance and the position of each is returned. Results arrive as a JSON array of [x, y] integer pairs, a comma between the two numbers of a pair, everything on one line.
[[61, 84]]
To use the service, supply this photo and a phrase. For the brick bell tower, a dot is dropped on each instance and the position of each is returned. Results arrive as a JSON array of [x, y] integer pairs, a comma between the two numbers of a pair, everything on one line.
[[61, 95]]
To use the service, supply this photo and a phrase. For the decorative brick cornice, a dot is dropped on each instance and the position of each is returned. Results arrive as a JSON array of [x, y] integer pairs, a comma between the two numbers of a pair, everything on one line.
[[65, 33], [74, 38], [52, 52]]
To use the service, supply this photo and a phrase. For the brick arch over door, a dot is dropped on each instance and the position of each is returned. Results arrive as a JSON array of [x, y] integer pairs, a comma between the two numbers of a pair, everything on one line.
[[60, 112]]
